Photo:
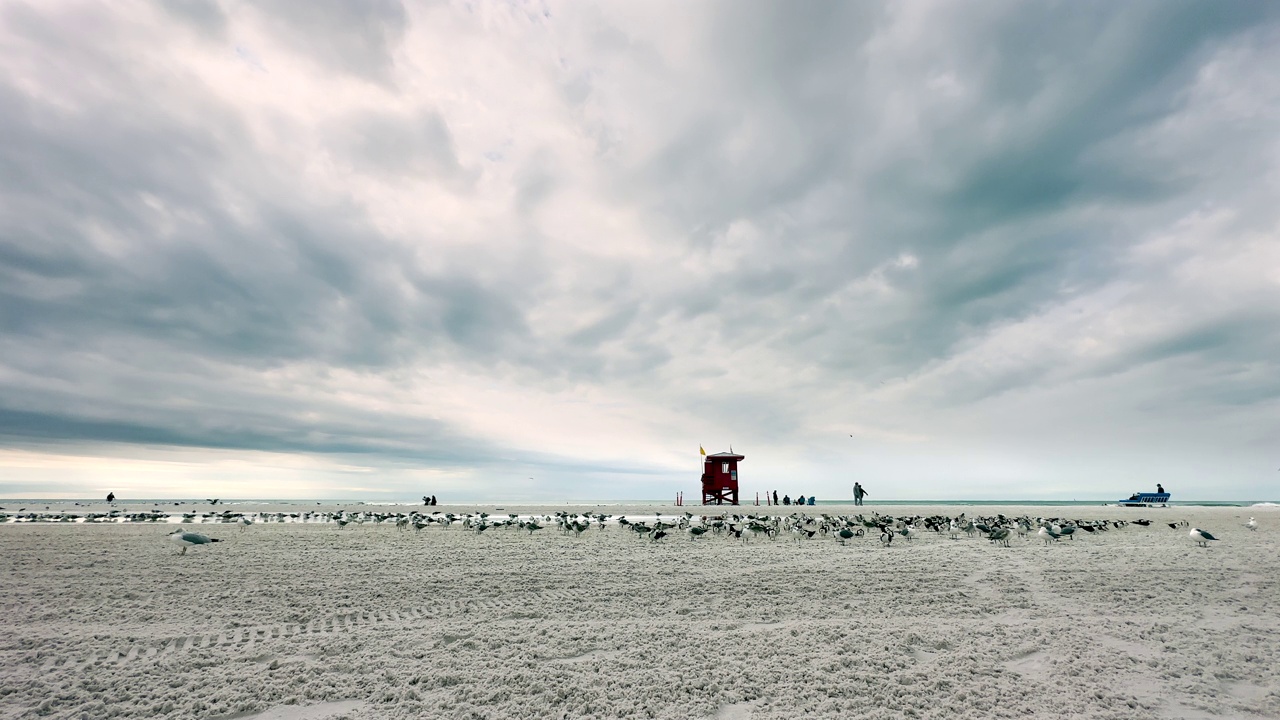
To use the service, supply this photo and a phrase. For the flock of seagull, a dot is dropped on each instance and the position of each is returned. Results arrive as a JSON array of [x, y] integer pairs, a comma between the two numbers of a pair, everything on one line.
[[998, 529]]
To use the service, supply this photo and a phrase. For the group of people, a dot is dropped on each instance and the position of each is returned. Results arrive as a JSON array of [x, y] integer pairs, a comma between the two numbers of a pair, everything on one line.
[[428, 500], [859, 493], [786, 499]]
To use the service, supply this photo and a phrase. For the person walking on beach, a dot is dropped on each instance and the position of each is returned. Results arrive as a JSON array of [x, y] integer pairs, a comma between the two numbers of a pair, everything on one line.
[[775, 497], [858, 493]]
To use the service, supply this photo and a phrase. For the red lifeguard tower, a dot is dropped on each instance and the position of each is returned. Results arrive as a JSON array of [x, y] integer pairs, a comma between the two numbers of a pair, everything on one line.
[[720, 478]]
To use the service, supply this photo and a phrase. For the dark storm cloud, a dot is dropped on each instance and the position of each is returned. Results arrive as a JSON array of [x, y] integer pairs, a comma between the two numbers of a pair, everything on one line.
[[147, 213], [875, 194], [992, 200]]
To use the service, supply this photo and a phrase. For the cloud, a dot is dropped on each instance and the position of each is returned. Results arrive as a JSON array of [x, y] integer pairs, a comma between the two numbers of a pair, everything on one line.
[[492, 241], [358, 39]]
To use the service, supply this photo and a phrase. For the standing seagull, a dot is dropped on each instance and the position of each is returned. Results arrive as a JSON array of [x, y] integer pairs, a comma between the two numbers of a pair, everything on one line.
[[187, 539], [1201, 537], [1252, 524]]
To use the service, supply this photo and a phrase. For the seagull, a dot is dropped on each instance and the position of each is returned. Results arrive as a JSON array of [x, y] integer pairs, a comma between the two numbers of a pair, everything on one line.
[[245, 521], [1047, 535], [1201, 537], [187, 539], [845, 534], [1252, 524]]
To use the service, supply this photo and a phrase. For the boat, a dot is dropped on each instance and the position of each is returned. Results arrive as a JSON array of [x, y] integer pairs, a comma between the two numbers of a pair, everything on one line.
[[1145, 500]]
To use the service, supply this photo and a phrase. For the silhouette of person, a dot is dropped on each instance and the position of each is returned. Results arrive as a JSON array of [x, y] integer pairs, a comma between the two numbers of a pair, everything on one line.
[[858, 493], [1159, 488], [111, 497], [775, 497]]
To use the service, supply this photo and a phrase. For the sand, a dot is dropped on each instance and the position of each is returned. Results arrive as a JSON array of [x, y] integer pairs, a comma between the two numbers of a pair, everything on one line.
[[306, 621]]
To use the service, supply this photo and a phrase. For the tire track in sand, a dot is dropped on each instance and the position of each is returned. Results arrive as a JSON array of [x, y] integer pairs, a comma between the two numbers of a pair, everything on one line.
[[246, 639]]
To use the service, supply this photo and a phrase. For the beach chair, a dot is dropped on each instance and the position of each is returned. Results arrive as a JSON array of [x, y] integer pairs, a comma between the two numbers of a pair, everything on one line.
[[1145, 500]]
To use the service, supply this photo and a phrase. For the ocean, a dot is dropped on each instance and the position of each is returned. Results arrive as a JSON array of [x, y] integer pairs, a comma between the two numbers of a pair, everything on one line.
[[12, 503]]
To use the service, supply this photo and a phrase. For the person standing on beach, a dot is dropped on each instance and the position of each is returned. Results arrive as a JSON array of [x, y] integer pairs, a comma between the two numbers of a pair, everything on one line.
[[775, 497], [858, 493]]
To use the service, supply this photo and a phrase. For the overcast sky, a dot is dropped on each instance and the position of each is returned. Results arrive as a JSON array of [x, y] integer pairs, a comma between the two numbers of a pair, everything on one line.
[[543, 251]]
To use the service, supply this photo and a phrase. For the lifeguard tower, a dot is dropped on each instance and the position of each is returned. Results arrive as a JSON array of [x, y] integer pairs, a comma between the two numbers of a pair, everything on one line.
[[720, 478]]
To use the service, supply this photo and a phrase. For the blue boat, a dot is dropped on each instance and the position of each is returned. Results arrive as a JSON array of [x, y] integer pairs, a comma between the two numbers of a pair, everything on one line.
[[1145, 500]]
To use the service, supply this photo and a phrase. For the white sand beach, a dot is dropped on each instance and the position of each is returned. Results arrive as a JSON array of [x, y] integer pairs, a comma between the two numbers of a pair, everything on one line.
[[309, 621]]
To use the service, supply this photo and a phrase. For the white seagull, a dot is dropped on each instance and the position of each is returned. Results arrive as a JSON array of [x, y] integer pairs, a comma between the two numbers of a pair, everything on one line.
[[187, 539], [1201, 537], [1252, 524]]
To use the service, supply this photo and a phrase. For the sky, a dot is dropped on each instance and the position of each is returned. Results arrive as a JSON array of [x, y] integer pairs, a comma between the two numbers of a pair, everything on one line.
[[545, 251]]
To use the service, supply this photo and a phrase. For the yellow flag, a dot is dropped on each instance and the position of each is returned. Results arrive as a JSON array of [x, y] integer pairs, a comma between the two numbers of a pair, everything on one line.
[[701, 451]]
